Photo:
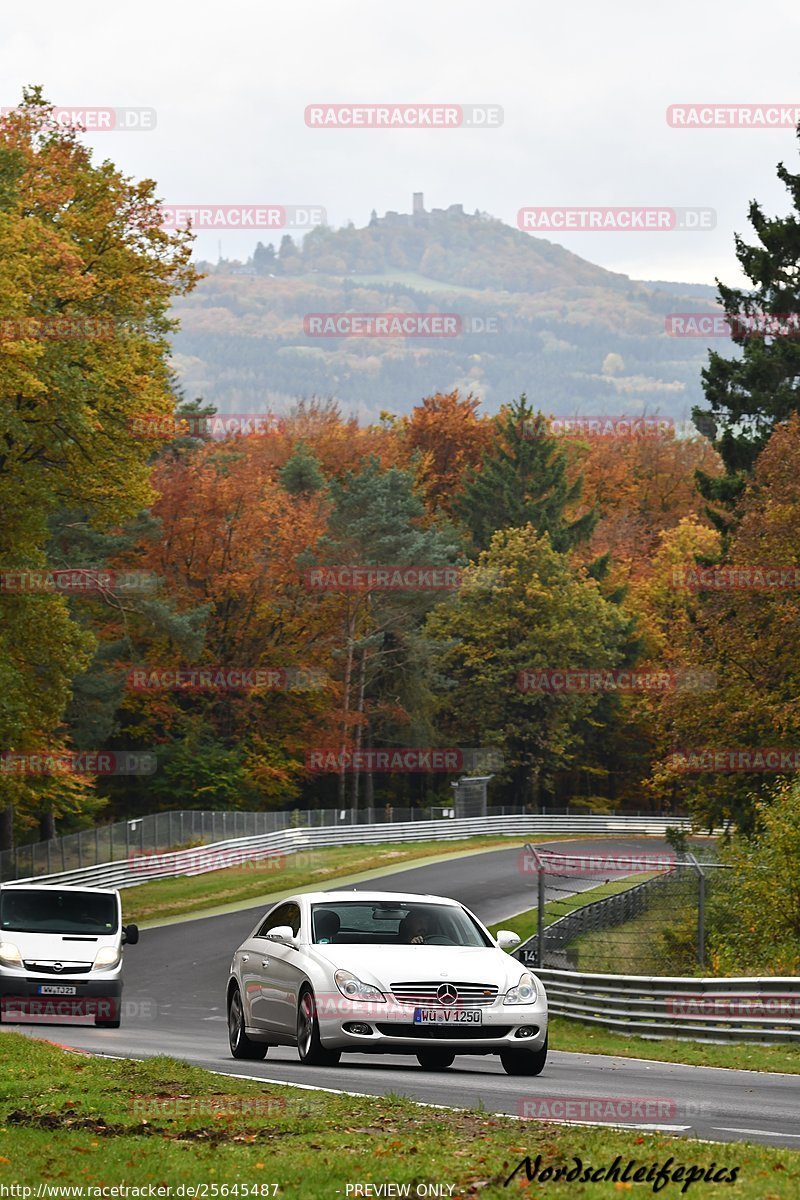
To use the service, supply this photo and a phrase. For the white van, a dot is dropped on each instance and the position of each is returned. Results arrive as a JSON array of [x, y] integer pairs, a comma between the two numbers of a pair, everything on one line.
[[61, 952]]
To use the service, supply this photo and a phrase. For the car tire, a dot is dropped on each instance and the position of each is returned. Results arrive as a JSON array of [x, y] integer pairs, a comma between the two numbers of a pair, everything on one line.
[[241, 1045], [524, 1062], [309, 1047], [99, 1023], [435, 1060]]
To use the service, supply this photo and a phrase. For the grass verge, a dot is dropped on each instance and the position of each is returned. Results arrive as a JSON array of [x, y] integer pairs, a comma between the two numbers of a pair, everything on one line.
[[68, 1119], [591, 1039], [661, 940]]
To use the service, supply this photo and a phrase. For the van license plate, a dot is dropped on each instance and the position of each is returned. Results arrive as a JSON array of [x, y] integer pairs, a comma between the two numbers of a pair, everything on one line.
[[54, 989]]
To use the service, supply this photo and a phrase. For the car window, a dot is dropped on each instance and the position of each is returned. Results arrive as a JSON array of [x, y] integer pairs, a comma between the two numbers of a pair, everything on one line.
[[391, 923], [284, 914]]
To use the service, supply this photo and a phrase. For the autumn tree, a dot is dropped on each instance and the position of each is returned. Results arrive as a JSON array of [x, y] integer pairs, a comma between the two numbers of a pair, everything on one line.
[[87, 276], [754, 908], [523, 606], [743, 634], [450, 437], [639, 487], [378, 519]]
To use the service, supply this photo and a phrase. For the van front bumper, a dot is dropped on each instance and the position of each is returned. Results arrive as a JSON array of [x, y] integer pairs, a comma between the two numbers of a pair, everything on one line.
[[21, 995]]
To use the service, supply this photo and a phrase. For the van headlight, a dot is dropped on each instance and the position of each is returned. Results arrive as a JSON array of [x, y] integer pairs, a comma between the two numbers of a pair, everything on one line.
[[109, 956], [354, 989], [10, 955], [524, 992]]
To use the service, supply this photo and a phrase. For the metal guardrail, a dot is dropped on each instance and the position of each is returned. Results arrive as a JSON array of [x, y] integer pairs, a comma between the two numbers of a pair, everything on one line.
[[140, 867], [763, 1009], [192, 826]]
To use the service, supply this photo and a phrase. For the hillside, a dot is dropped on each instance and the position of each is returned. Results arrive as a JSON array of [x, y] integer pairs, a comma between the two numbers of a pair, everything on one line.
[[532, 316]]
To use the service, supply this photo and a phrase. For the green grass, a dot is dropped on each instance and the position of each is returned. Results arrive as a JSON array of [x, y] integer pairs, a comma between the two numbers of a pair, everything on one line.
[[265, 879], [566, 1034], [526, 923], [659, 941], [69, 1119]]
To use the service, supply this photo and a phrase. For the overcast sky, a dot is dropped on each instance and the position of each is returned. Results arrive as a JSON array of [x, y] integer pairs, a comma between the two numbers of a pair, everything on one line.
[[584, 88]]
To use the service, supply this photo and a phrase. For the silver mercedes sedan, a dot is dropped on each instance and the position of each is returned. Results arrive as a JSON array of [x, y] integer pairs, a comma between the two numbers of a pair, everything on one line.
[[383, 972]]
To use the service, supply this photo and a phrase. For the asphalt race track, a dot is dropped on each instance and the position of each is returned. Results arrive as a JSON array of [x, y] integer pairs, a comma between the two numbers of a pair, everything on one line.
[[174, 993]]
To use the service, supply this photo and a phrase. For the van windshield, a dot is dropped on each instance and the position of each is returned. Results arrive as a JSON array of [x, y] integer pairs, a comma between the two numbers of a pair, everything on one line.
[[57, 910]]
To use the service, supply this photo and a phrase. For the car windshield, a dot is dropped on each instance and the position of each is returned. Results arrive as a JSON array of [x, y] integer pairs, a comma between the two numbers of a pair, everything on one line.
[[398, 923], [57, 910]]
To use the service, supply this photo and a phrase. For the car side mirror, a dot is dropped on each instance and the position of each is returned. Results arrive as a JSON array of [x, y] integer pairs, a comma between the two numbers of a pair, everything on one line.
[[282, 934], [507, 939], [130, 935]]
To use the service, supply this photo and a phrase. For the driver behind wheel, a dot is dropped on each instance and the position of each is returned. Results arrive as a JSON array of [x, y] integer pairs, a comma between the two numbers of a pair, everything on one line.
[[414, 927]]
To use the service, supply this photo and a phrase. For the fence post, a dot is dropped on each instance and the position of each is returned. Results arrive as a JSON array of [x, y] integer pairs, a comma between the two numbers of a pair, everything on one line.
[[701, 910], [539, 904]]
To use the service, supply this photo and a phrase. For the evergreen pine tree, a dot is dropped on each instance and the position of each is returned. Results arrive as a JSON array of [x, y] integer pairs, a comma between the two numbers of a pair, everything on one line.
[[749, 394], [522, 480]]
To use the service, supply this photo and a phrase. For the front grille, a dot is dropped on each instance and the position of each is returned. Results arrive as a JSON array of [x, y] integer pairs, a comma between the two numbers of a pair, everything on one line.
[[446, 1033], [67, 968], [470, 995]]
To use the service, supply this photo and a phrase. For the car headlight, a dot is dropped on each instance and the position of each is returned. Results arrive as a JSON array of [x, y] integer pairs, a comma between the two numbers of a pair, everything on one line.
[[524, 992], [355, 989], [109, 956], [10, 955]]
